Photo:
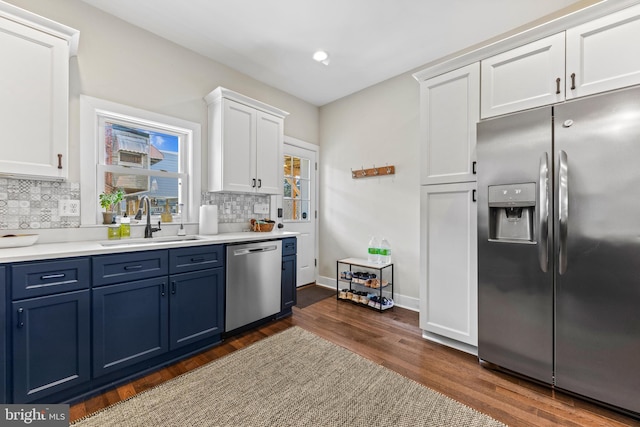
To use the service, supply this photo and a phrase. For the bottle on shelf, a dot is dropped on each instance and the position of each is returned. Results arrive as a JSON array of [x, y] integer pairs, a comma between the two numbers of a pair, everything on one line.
[[384, 253], [374, 244]]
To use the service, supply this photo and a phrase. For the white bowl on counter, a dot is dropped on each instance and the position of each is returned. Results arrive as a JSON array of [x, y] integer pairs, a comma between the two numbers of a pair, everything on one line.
[[17, 240]]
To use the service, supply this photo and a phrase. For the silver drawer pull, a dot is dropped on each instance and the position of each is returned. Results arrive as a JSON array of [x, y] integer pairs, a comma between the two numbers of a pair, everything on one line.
[[133, 267], [52, 276]]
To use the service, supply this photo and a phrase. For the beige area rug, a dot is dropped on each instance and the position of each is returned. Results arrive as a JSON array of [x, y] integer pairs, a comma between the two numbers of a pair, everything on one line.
[[293, 378]]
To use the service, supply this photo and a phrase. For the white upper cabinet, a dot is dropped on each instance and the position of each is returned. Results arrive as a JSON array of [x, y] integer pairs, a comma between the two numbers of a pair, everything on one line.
[[600, 55], [34, 94], [450, 109], [245, 144], [603, 54], [526, 77]]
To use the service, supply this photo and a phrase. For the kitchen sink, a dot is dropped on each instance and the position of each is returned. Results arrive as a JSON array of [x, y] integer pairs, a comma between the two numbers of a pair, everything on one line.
[[149, 241]]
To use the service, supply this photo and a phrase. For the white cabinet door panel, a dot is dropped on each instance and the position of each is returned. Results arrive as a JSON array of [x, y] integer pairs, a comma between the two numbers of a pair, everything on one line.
[[34, 99], [522, 78], [448, 292], [450, 112], [238, 146], [603, 54], [270, 134]]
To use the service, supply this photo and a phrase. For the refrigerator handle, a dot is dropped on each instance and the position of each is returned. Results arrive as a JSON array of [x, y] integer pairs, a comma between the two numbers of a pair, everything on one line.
[[563, 211], [543, 213]]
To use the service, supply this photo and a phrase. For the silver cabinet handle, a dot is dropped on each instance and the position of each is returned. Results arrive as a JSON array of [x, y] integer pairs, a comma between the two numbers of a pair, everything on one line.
[[563, 211], [543, 212], [52, 276]]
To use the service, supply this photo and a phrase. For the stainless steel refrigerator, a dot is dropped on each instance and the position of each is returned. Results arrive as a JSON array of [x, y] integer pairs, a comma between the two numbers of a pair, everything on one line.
[[559, 246]]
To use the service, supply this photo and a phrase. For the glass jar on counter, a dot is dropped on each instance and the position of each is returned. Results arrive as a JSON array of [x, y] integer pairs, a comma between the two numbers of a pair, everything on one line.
[[113, 232], [125, 227]]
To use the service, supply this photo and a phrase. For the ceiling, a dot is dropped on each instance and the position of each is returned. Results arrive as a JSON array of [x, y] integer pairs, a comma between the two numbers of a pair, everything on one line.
[[368, 40]]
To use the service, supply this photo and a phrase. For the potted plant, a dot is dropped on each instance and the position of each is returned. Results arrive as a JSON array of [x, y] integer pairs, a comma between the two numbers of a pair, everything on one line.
[[109, 201]]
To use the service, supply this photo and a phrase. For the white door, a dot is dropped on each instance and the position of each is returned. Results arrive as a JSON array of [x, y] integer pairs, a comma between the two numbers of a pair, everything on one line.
[[299, 204]]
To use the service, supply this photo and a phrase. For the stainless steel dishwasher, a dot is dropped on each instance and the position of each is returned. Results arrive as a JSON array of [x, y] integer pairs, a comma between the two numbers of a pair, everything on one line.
[[253, 282]]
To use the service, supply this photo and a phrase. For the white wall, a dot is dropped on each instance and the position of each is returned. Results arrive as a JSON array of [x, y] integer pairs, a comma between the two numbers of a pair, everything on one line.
[[376, 126], [122, 63]]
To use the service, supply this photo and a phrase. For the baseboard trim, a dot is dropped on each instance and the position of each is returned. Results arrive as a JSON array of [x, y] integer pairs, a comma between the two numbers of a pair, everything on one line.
[[467, 348], [410, 303]]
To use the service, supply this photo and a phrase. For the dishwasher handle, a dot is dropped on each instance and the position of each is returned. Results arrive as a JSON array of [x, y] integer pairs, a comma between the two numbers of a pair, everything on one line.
[[258, 249]]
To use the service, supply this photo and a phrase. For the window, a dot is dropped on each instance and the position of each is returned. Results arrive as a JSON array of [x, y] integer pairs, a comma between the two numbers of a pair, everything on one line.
[[297, 189], [141, 153]]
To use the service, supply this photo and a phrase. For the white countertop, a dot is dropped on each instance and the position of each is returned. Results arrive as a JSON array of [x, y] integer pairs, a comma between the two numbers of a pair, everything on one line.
[[95, 247]]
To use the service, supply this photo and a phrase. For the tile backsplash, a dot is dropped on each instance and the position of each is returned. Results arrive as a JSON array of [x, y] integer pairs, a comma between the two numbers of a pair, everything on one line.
[[240, 206], [33, 204]]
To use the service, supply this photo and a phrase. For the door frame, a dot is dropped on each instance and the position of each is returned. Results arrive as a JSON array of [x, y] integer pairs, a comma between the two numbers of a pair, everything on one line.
[[277, 201]]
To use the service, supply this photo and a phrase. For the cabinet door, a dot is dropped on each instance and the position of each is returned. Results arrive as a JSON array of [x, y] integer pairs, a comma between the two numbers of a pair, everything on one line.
[[525, 77], [34, 99], [3, 338], [130, 323], [448, 261], [196, 306], [288, 279], [51, 350], [269, 153], [238, 149], [602, 54], [449, 113]]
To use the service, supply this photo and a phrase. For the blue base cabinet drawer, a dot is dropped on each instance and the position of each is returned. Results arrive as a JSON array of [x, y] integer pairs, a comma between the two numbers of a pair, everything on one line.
[[33, 279], [183, 260], [118, 268], [51, 344]]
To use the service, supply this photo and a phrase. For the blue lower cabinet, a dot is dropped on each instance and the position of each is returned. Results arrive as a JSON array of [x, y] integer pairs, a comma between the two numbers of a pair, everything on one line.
[[130, 323], [196, 306], [288, 280], [51, 344], [3, 337]]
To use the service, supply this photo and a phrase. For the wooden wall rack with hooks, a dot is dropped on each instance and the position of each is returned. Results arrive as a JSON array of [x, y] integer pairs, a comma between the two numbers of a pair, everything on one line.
[[374, 171]]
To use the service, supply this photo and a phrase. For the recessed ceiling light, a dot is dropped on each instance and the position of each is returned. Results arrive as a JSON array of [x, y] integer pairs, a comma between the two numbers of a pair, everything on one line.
[[321, 56]]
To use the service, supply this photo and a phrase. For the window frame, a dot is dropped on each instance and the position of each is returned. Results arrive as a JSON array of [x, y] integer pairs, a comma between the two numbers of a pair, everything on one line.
[[299, 200], [93, 113]]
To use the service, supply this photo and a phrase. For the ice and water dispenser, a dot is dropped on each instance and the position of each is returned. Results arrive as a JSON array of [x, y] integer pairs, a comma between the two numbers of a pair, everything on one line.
[[512, 212]]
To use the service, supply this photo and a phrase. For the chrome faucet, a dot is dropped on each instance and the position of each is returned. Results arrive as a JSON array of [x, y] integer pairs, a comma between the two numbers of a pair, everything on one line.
[[148, 229]]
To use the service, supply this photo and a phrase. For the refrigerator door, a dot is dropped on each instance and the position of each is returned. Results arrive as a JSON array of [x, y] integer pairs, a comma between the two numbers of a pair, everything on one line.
[[515, 271], [597, 152]]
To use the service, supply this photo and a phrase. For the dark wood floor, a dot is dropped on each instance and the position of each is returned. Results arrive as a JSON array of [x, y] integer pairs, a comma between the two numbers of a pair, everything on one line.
[[393, 339]]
